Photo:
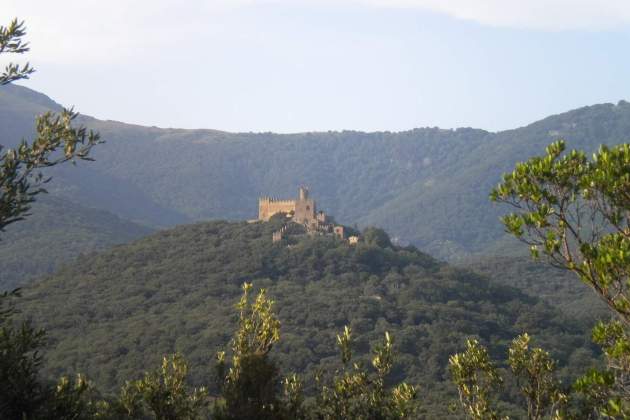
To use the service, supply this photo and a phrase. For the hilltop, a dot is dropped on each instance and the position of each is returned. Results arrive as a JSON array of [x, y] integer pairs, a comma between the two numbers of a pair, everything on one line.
[[116, 313], [426, 186]]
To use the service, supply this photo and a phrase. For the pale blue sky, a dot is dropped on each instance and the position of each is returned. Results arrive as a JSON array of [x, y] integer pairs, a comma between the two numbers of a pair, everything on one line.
[[300, 65]]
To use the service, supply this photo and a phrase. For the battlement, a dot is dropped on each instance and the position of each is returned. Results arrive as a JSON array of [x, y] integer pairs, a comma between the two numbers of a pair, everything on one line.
[[268, 206], [302, 211], [275, 200]]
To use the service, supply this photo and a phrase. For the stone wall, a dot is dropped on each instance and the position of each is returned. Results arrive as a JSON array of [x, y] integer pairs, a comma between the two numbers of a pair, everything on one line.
[[267, 207]]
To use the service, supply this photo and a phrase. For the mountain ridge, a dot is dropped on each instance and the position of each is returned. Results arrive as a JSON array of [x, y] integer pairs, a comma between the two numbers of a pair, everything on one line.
[[24, 92], [426, 186]]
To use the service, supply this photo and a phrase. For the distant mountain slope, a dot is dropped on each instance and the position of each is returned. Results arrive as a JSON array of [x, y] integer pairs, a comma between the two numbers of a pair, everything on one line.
[[450, 215], [18, 108], [56, 233], [426, 186], [85, 183], [559, 288], [115, 314]]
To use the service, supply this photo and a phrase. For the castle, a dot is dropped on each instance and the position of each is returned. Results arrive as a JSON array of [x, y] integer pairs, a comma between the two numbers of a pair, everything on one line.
[[303, 211]]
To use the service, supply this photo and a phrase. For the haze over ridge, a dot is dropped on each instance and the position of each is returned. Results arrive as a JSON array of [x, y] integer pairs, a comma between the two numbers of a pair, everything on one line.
[[311, 66]]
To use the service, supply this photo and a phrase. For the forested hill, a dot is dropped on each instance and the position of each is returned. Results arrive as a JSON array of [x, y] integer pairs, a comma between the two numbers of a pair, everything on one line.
[[426, 186], [560, 288], [58, 231], [114, 314]]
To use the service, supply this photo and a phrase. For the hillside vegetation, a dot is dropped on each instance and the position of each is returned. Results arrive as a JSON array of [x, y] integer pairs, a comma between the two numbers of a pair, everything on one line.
[[426, 186], [559, 288], [33, 249], [116, 313]]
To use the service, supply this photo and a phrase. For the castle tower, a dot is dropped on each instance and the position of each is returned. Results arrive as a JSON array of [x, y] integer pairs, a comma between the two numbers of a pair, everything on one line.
[[305, 209], [303, 194]]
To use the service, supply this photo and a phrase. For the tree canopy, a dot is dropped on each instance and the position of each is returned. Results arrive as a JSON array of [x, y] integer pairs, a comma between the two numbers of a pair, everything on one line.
[[575, 214]]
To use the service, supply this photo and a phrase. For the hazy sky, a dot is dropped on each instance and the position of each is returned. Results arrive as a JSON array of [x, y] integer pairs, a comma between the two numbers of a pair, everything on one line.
[[297, 65]]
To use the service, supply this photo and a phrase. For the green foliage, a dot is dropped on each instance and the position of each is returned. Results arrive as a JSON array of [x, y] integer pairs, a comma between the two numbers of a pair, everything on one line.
[[73, 399], [248, 382], [258, 328], [21, 393], [595, 386], [476, 377], [575, 212], [162, 395], [357, 394], [606, 391], [293, 397], [568, 212], [56, 141], [11, 42], [534, 370], [378, 237], [19, 181]]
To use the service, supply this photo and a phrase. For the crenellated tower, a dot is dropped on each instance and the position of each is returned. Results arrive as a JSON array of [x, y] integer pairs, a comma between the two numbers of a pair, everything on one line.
[[303, 211]]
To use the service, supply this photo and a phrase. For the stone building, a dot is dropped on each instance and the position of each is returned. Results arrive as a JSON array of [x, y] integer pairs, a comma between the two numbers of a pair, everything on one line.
[[303, 211]]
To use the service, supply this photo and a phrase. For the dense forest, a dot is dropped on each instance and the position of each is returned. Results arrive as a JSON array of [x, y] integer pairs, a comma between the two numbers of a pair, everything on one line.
[[76, 230], [552, 285], [114, 314], [426, 186]]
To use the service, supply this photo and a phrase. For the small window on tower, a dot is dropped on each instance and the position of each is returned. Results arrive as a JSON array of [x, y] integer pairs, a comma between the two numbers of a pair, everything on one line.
[[308, 208]]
